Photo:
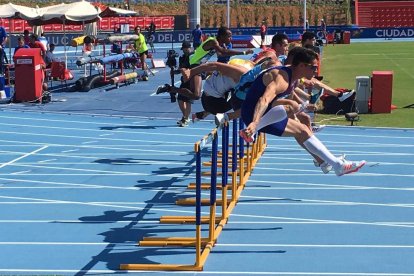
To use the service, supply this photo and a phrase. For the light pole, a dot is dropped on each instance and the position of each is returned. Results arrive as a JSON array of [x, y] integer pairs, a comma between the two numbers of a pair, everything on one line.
[[304, 15]]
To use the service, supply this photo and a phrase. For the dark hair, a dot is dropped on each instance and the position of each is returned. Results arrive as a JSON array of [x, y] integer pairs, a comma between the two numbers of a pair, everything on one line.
[[222, 31], [307, 35], [278, 39], [302, 55], [87, 40]]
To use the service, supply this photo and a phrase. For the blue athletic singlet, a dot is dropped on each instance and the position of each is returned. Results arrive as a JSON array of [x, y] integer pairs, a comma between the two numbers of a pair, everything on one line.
[[256, 91]]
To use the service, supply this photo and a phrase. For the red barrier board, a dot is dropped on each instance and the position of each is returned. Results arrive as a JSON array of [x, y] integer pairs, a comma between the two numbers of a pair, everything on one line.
[[381, 91]]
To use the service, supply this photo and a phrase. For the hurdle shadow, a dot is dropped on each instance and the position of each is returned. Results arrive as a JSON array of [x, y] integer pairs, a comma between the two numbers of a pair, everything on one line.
[[133, 232]]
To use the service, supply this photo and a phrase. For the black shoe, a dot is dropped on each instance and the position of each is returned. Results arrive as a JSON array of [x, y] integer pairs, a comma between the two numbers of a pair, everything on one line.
[[163, 88], [173, 97]]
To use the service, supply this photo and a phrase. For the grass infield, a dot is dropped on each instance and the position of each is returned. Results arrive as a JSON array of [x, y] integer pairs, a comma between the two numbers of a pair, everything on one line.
[[342, 63]]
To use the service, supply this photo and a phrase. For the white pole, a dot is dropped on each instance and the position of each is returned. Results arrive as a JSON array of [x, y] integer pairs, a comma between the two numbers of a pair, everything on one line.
[[228, 13], [304, 15]]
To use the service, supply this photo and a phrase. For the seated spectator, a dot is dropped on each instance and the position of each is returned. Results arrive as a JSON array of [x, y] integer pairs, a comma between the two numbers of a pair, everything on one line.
[[87, 46], [20, 44], [50, 56]]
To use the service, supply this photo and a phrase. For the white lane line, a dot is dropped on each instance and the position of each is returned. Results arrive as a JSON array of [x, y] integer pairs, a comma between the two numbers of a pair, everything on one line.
[[232, 222], [134, 244], [283, 273], [21, 157], [95, 186], [80, 221], [21, 172], [144, 133], [89, 142], [106, 205], [67, 151], [42, 161]]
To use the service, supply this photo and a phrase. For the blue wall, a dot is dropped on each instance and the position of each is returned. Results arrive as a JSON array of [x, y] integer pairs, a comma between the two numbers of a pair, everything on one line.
[[293, 32]]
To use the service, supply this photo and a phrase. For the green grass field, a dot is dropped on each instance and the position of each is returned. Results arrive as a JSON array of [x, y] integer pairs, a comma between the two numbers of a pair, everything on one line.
[[342, 63]]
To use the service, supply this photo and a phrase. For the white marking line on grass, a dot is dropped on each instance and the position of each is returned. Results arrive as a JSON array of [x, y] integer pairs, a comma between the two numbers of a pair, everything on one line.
[[283, 273], [392, 60], [21, 157]]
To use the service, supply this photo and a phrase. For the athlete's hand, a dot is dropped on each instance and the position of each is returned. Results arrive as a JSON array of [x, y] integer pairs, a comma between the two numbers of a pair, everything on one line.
[[186, 74], [250, 51], [251, 129]]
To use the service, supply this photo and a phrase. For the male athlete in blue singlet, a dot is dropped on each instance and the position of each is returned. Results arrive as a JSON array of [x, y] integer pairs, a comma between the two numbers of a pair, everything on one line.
[[260, 111]]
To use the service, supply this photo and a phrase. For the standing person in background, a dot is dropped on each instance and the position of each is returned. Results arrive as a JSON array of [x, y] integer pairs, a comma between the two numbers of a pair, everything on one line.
[[150, 35], [3, 57], [184, 103], [263, 32], [142, 49], [43, 40], [197, 34], [26, 37], [35, 43], [323, 30]]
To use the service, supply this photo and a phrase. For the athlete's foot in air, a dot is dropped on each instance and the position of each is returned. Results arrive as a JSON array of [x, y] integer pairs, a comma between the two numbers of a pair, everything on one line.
[[246, 137]]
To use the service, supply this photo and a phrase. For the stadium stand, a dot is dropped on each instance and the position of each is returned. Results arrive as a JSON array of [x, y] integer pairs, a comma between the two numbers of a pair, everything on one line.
[[385, 14]]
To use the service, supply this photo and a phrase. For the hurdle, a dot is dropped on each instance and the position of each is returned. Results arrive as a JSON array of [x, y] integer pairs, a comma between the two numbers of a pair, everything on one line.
[[204, 245]]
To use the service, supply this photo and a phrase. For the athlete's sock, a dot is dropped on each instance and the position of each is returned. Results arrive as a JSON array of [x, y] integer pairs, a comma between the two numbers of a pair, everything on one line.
[[274, 115], [315, 146]]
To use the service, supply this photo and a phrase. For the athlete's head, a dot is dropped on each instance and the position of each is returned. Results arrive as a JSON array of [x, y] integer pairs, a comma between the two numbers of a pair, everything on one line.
[[308, 38], [224, 35], [280, 44], [305, 61]]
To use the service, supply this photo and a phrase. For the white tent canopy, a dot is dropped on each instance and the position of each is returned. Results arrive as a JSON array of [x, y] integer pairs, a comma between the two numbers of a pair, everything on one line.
[[17, 11], [76, 12]]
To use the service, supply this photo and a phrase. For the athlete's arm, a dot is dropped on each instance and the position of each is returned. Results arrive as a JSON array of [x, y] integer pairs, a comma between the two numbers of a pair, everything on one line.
[[228, 52], [228, 70]]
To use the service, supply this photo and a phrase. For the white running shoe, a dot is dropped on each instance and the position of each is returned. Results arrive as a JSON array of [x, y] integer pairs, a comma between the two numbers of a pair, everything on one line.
[[317, 128], [349, 167], [325, 167], [346, 95], [221, 118]]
